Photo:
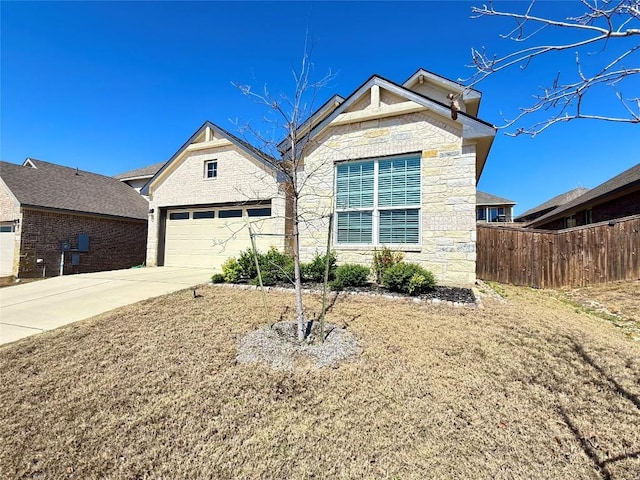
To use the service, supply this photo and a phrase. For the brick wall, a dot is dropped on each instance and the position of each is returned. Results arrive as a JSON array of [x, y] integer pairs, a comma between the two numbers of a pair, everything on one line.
[[624, 206], [113, 244], [448, 190]]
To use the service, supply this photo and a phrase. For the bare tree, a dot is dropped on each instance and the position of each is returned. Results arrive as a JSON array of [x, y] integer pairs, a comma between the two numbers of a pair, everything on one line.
[[598, 25], [288, 117]]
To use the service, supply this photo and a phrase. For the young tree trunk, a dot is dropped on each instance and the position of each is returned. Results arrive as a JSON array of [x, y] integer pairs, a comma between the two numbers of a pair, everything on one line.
[[297, 273]]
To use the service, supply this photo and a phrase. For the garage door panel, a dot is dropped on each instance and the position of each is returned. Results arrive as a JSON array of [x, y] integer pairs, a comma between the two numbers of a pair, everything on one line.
[[209, 242], [7, 245]]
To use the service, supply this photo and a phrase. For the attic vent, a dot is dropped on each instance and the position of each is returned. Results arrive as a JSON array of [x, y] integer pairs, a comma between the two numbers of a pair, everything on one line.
[[29, 163]]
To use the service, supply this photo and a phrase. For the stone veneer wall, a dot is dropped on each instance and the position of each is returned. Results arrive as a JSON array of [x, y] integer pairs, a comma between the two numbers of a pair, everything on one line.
[[448, 190], [239, 180], [10, 212], [113, 243]]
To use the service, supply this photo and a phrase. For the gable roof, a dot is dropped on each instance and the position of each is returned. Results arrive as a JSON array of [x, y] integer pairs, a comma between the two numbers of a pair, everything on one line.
[[555, 201], [470, 95], [36, 183], [140, 173], [321, 112], [484, 198], [626, 180], [472, 127], [262, 158]]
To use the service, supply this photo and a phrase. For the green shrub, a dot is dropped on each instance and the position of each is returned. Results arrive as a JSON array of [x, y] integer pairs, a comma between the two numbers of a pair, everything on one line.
[[267, 279], [418, 284], [217, 278], [384, 259], [314, 270], [277, 265], [351, 275], [231, 270], [408, 278], [247, 264]]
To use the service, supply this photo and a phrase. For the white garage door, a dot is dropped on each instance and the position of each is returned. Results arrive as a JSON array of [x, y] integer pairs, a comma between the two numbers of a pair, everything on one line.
[[7, 244], [208, 237]]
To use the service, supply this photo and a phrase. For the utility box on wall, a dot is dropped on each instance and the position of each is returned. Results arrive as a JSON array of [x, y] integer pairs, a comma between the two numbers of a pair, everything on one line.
[[83, 242]]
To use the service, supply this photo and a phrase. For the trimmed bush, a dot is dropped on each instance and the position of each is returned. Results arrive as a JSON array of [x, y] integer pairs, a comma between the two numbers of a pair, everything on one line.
[[217, 278], [351, 275], [267, 279], [276, 265], [247, 264], [408, 278], [383, 259], [314, 270], [231, 270]]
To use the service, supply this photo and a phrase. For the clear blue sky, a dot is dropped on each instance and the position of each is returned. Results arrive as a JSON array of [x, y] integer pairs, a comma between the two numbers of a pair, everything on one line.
[[109, 87]]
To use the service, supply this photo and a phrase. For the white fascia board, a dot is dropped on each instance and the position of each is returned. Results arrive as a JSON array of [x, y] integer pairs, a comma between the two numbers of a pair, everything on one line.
[[471, 128], [469, 93]]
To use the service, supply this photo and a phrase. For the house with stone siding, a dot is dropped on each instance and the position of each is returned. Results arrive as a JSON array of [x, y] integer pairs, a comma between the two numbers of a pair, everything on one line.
[[396, 169], [57, 219], [206, 199], [393, 164]]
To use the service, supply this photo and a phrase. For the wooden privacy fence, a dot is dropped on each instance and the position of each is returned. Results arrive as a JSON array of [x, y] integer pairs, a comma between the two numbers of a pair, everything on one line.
[[579, 256]]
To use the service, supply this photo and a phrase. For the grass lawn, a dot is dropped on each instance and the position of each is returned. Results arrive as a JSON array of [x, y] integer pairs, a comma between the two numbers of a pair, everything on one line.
[[533, 388]]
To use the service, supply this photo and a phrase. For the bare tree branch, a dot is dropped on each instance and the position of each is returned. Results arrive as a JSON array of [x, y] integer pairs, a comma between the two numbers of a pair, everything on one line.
[[286, 156], [601, 22]]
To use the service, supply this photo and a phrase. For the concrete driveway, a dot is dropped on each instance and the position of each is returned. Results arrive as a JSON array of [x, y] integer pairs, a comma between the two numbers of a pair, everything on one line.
[[46, 304]]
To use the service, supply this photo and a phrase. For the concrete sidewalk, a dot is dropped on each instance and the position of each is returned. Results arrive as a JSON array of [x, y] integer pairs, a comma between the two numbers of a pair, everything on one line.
[[43, 305]]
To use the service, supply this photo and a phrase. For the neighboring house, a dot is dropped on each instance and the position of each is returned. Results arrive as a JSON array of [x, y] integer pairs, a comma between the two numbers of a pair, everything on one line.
[[139, 177], [616, 198], [550, 205], [491, 208], [202, 200], [388, 160], [52, 215]]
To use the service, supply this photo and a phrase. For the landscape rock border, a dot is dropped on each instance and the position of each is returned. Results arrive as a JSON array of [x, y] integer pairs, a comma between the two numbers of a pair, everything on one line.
[[388, 296]]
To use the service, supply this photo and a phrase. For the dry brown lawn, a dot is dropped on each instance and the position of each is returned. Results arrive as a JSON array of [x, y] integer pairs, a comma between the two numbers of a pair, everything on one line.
[[617, 302], [533, 388]]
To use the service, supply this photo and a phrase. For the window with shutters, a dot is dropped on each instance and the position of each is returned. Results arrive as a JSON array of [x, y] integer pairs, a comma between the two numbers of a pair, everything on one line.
[[378, 201]]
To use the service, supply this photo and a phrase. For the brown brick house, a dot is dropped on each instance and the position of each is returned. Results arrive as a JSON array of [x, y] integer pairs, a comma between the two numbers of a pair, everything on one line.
[[616, 198], [52, 215], [550, 205]]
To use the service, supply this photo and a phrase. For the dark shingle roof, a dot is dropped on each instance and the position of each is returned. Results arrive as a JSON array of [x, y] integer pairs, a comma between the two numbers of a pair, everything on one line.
[[484, 198], [619, 182], [555, 201], [54, 186], [144, 172]]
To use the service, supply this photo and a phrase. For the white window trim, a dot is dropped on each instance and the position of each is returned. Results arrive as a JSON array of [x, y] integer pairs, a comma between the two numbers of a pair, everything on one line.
[[375, 209], [206, 169]]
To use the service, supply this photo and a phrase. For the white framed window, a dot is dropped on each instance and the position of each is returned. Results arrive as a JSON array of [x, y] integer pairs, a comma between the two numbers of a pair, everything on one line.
[[378, 201], [211, 169], [496, 214], [179, 216], [570, 221]]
